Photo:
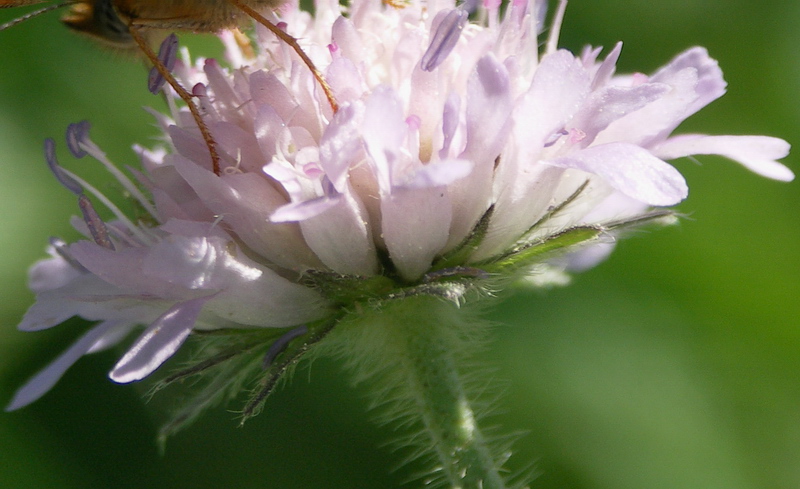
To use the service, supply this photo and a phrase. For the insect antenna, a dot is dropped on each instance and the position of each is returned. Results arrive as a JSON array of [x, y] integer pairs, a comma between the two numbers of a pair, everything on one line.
[[182, 93], [30, 15]]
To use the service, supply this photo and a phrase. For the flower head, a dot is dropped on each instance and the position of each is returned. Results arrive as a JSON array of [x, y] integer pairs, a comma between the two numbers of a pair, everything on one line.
[[460, 155]]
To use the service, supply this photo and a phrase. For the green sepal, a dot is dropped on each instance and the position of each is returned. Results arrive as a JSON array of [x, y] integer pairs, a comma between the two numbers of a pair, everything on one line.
[[228, 361], [461, 253], [347, 289], [283, 363], [526, 255]]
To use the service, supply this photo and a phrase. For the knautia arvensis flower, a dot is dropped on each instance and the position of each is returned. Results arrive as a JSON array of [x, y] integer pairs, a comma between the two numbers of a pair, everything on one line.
[[463, 156]]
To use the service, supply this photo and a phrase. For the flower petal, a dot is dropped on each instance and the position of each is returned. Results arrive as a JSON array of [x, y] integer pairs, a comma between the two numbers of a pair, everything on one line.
[[43, 381], [159, 342], [756, 153], [416, 226], [245, 202], [631, 170]]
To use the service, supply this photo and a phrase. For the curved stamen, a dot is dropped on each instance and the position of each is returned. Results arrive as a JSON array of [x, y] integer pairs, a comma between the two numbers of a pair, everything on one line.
[[77, 132], [80, 145], [61, 175], [133, 228]]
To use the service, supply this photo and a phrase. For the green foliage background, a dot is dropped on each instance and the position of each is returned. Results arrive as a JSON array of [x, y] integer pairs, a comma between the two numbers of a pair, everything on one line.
[[675, 364]]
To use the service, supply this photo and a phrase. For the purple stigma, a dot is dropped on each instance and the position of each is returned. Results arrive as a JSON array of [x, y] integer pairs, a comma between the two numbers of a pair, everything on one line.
[[167, 55], [65, 180], [77, 133]]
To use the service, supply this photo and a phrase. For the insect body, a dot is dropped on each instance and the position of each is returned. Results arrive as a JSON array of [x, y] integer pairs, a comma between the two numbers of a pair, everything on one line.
[[125, 23]]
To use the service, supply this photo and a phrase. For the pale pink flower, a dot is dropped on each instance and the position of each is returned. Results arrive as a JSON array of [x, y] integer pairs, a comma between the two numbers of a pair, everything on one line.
[[456, 146]]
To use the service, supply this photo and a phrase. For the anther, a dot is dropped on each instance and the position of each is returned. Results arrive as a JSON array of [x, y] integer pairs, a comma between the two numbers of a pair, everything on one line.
[[446, 36], [52, 162], [96, 226], [77, 133], [167, 54], [444, 39]]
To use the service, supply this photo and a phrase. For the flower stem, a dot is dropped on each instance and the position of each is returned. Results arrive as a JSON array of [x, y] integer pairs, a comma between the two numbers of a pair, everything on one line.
[[446, 412], [418, 340]]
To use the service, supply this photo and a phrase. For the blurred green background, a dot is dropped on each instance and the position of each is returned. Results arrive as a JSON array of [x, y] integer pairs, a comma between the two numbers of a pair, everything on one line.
[[675, 364]]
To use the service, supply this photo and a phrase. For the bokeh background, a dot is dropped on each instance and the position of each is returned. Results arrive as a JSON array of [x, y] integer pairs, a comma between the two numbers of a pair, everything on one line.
[[675, 364]]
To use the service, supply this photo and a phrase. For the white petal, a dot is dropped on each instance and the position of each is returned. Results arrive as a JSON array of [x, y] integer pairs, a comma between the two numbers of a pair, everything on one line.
[[756, 153], [342, 237], [245, 201], [441, 173], [300, 211], [341, 144], [43, 381], [51, 273], [159, 342], [609, 104], [384, 130], [631, 170], [696, 80], [416, 226]]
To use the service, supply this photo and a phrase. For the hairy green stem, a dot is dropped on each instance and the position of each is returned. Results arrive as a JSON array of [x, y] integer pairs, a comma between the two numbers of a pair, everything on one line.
[[416, 342], [446, 411]]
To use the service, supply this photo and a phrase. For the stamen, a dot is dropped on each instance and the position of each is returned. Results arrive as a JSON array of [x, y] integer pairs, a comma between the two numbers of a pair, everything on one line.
[[77, 133], [281, 343], [555, 29], [61, 175], [80, 145], [135, 33], [133, 228], [97, 228], [167, 54]]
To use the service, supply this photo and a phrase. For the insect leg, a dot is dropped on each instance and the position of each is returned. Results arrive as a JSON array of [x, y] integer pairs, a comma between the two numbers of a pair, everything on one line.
[[182, 93], [292, 42]]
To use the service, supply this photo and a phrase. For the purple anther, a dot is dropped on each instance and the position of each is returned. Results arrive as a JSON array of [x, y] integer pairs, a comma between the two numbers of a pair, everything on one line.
[[50, 156], [97, 228], [200, 90], [281, 343], [167, 54], [444, 39], [77, 132], [472, 5]]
